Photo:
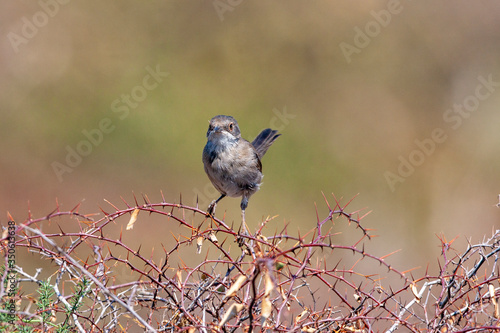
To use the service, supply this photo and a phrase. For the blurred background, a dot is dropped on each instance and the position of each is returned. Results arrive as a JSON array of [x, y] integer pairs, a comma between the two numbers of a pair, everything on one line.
[[395, 102]]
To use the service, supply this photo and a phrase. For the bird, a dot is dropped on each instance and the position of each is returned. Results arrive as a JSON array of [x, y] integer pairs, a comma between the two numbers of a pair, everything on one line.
[[232, 163]]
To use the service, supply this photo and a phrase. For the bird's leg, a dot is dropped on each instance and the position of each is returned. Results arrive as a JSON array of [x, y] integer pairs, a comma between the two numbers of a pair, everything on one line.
[[211, 207], [244, 205], [243, 223], [240, 239]]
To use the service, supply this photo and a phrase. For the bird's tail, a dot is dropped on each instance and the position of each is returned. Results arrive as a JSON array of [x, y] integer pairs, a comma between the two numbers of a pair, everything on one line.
[[264, 140]]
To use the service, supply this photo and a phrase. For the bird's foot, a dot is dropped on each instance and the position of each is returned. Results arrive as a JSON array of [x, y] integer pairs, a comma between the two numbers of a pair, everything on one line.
[[240, 240], [211, 208], [246, 243], [242, 234]]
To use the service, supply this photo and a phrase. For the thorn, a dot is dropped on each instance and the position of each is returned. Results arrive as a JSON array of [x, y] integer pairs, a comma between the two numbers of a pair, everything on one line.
[[390, 254], [176, 239], [50, 214], [337, 202], [354, 197], [75, 209], [314, 233], [355, 264], [327, 203], [135, 199], [440, 268], [359, 219], [125, 202], [364, 235], [29, 211], [116, 208], [317, 214], [146, 199], [409, 270], [206, 255], [104, 212], [87, 262]]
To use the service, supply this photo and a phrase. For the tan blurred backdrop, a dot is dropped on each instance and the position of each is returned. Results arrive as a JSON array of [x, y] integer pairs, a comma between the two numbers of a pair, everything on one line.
[[397, 101]]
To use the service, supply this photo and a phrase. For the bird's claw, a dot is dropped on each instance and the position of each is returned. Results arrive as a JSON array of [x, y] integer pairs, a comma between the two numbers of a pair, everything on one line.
[[211, 209]]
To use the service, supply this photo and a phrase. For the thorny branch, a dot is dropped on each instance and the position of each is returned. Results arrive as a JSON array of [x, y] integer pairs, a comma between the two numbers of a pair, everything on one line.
[[281, 282]]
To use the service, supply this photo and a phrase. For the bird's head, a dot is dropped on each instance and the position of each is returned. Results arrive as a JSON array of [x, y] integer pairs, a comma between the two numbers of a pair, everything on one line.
[[223, 128]]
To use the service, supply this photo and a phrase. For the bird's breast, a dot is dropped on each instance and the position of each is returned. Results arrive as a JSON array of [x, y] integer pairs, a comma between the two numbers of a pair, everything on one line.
[[233, 170]]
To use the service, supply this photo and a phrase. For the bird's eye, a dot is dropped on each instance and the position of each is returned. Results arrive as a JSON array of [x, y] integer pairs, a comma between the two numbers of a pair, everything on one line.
[[231, 126]]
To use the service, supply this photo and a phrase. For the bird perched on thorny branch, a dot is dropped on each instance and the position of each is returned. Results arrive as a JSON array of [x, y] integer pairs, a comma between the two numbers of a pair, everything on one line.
[[232, 163]]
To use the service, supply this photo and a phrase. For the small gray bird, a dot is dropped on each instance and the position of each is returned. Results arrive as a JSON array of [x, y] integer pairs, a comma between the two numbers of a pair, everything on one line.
[[232, 163]]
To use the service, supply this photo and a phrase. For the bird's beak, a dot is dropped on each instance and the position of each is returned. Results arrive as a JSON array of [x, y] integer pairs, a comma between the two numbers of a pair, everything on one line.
[[214, 131]]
